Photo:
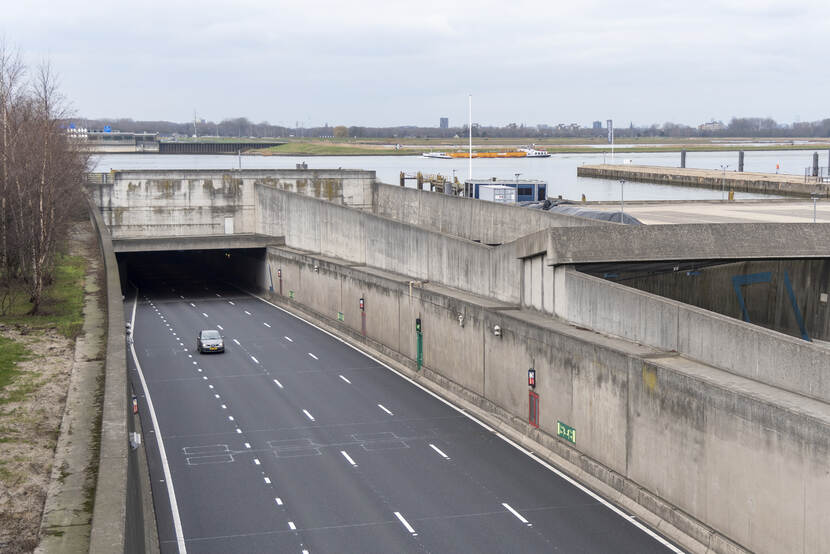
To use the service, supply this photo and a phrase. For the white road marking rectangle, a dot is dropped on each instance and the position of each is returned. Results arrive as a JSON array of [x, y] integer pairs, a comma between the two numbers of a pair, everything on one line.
[[224, 407], [291, 525], [313, 356], [231, 303], [236, 342], [192, 304], [220, 327], [255, 360], [385, 409], [256, 461], [308, 415], [278, 384], [440, 453], [349, 382], [267, 480], [247, 312], [247, 445], [266, 324], [278, 501], [289, 339], [405, 523], [348, 458], [519, 516], [204, 314]]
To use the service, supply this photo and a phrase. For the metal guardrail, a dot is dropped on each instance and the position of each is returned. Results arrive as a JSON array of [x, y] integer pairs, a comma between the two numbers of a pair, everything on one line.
[[817, 175], [100, 178]]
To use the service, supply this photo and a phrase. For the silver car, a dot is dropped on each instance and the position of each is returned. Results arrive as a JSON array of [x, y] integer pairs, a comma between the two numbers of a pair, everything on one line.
[[209, 340]]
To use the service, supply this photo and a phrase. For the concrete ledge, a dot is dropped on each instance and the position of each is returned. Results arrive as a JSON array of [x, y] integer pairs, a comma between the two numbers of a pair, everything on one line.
[[209, 242]]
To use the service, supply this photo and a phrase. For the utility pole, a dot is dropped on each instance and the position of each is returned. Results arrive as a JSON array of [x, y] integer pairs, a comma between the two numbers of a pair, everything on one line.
[[723, 182]]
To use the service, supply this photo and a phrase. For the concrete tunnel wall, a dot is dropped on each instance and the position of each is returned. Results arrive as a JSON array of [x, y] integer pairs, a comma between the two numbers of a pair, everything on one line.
[[364, 238], [745, 466], [742, 348]]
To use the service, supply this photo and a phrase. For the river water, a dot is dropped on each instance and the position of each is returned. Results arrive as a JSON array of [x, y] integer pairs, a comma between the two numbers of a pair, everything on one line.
[[559, 171]]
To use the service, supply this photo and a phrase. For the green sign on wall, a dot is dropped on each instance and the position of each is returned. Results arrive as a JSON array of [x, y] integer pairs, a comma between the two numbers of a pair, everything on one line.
[[566, 432], [291, 294], [340, 316]]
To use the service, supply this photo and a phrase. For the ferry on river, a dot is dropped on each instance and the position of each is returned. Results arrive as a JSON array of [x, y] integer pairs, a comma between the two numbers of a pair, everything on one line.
[[520, 153]]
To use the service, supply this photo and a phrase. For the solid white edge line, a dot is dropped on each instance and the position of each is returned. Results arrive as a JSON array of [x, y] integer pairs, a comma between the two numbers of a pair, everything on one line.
[[440, 452], [168, 480], [405, 523], [519, 516], [531, 455], [348, 458], [255, 360], [308, 415], [278, 384]]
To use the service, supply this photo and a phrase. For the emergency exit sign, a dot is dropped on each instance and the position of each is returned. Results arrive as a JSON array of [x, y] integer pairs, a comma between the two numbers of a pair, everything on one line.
[[566, 432]]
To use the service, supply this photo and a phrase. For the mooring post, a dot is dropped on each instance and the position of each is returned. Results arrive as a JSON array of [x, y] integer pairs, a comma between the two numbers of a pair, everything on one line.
[[682, 158], [741, 161], [815, 164]]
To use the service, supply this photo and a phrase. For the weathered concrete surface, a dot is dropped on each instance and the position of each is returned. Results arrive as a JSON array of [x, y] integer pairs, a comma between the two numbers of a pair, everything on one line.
[[143, 203], [768, 183], [689, 442], [65, 525], [364, 238], [216, 242], [485, 222], [623, 243], [724, 342]]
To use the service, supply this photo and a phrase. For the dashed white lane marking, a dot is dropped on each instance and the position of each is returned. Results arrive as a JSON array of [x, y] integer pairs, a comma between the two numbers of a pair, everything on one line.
[[291, 525], [519, 516], [247, 312], [231, 303], [278, 384], [238, 431], [289, 339], [256, 461], [216, 395], [313, 356], [204, 377], [190, 355], [194, 363], [204, 314], [230, 417], [210, 387], [192, 304], [255, 360], [385, 409], [348, 458], [218, 295], [224, 407], [278, 501], [308, 415], [349, 382], [182, 297], [220, 327], [247, 445], [236, 342], [440, 453], [266, 324], [267, 480], [406, 524]]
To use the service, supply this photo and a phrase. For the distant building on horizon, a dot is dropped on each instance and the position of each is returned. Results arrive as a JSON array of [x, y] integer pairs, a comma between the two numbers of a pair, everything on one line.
[[597, 125], [712, 126], [444, 123]]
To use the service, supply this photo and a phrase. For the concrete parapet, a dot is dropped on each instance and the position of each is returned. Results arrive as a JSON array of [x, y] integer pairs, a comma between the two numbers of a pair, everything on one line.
[[477, 220], [727, 343], [767, 183], [726, 463]]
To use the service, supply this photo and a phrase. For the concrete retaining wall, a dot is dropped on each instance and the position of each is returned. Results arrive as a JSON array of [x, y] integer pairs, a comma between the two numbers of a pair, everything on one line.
[[723, 342], [364, 238], [714, 461], [118, 513], [485, 222]]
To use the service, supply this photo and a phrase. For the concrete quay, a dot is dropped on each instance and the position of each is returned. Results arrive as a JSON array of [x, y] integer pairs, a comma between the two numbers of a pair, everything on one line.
[[768, 183]]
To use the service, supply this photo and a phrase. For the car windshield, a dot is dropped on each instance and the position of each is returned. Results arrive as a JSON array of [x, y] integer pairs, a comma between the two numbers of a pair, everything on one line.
[[210, 334]]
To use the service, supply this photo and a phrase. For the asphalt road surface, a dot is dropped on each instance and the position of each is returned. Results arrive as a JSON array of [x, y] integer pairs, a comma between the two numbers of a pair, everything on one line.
[[292, 441]]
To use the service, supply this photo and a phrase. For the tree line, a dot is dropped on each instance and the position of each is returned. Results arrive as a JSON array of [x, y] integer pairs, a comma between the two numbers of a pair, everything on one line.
[[41, 172], [241, 127]]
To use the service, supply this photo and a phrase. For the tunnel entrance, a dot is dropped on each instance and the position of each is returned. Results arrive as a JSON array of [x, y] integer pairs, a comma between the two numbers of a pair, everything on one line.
[[192, 271]]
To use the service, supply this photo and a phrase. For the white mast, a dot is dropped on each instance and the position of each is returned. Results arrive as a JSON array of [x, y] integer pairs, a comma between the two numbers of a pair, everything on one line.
[[470, 129]]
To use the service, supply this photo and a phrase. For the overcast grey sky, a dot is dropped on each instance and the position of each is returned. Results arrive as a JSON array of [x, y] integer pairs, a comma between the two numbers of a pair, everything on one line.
[[389, 62]]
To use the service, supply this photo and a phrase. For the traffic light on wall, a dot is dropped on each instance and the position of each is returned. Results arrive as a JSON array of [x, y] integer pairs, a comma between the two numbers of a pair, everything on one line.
[[417, 324]]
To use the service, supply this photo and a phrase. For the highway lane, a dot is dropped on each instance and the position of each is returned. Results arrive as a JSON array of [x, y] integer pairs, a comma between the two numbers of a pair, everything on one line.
[[292, 441]]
